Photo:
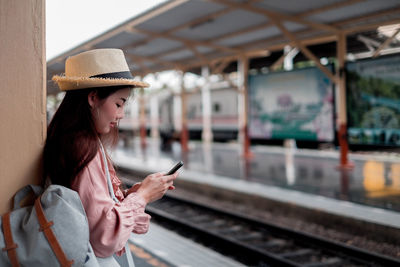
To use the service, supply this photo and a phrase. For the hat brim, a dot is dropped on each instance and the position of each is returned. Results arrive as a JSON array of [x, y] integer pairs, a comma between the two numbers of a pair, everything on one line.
[[73, 83]]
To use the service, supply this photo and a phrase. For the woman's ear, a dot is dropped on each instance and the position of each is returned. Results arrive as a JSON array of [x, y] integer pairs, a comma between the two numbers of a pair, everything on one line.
[[92, 99]]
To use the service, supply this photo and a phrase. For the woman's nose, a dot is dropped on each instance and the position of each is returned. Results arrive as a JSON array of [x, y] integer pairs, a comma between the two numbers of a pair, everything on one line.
[[121, 115]]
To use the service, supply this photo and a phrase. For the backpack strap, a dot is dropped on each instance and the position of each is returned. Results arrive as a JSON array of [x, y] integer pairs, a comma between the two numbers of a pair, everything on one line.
[[51, 238], [112, 195], [9, 242], [109, 183]]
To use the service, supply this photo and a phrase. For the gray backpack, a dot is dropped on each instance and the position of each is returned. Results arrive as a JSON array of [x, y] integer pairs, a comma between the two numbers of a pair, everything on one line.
[[52, 232]]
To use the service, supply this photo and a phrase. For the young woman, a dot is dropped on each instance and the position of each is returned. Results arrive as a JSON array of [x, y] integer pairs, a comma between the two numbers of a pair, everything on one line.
[[98, 83]]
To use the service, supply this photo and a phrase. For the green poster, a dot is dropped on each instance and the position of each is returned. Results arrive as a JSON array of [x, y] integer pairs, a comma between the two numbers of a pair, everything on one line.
[[296, 104], [373, 101]]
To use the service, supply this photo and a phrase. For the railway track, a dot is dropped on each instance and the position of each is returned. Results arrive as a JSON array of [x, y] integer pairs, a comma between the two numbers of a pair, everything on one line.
[[257, 243]]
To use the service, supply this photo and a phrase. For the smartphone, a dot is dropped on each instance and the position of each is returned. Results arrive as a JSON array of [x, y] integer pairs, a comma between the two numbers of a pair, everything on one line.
[[175, 168]]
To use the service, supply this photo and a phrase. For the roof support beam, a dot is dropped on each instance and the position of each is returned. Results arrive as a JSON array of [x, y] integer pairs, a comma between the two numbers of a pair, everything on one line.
[[386, 43], [278, 62], [140, 62], [301, 15], [259, 52], [201, 20], [155, 12], [192, 23], [386, 51], [187, 41], [281, 16], [196, 53], [169, 64], [249, 29], [222, 65], [330, 7], [304, 50], [260, 26], [371, 26], [368, 42], [195, 22], [364, 27], [372, 16], [306, 42]]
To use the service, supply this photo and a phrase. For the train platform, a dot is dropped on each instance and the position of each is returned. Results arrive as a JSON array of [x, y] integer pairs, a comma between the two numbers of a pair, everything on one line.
[[163, 248], [307, 178]]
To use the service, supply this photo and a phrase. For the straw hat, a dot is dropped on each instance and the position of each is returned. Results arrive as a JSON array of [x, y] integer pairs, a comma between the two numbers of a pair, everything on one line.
[[96, 68]]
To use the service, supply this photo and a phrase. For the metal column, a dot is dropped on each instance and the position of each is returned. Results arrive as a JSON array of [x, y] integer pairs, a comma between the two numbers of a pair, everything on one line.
[[184, 130], [243, 110], [342, 114], [142, 119], [154, 116], [206, 104]]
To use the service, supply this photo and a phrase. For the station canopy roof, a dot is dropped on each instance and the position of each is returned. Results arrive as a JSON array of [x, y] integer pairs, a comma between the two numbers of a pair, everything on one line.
[[187, 34]]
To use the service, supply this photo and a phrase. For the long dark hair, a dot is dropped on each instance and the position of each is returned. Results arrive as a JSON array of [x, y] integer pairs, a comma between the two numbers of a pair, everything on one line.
[[72, 139]]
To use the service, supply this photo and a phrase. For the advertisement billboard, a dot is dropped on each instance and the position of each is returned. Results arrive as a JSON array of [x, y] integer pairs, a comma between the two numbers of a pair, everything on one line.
[[373, 101], [291, 105]]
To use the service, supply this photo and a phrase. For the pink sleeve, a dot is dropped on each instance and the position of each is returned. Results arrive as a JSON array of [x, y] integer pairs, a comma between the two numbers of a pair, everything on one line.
[[110, 223]]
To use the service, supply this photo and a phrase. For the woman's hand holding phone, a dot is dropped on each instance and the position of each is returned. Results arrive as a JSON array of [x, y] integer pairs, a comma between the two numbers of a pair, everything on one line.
[[173, 170], [176, 167], [154, 186]]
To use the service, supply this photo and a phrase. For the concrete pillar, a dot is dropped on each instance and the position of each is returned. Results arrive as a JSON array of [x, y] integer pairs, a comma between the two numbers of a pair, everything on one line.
[[177, 111], [206, 104], [134, 111], [142, 119], [22, 95], [154, 116], [184, 130], [243, 110]]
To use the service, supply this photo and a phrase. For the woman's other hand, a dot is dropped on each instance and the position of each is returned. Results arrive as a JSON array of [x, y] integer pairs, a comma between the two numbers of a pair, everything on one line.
[[154, 186], [133, 189]]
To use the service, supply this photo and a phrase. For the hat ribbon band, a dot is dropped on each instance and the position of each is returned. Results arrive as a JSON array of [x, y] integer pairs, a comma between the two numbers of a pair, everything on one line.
[[115, 75]]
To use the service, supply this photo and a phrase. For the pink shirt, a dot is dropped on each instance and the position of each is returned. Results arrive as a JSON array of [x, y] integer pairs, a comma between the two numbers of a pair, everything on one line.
[[110, 223]]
